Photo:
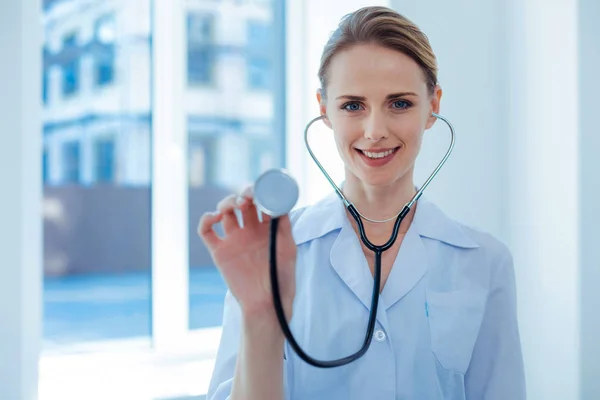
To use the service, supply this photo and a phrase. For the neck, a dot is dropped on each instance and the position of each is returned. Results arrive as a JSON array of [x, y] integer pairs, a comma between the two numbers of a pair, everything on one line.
[[380, 203]]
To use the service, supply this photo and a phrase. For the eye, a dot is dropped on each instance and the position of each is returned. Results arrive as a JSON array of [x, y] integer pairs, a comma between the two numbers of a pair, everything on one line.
[[401, 104], [353, 106]]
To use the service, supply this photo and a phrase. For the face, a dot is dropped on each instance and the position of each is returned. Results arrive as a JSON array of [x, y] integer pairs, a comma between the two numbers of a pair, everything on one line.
[[378, 105]]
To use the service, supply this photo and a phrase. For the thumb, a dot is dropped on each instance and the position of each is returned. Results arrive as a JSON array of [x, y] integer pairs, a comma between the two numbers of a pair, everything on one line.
[[285, 225]]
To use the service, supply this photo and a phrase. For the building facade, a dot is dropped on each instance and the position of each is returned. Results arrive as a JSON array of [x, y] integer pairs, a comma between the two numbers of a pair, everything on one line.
[[97, 92]]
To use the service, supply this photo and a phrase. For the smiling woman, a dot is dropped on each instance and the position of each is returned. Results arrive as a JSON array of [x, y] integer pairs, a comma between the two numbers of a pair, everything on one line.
[[378, 96], [446, 325]]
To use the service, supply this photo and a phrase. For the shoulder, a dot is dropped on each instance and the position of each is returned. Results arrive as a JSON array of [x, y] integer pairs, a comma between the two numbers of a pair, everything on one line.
[[469, 252], [434, 224], [487, 243], [317, 220], [492, 255]]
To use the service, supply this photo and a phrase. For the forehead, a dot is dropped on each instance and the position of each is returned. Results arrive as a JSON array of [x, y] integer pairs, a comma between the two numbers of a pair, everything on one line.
[[372, 69]]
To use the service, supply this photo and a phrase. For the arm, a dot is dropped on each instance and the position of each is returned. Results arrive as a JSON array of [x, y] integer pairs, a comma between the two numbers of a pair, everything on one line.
[[496, 371], [249, 362]]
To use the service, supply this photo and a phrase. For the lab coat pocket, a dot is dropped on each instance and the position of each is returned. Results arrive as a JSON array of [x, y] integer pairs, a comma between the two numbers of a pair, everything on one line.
[[454, 321]]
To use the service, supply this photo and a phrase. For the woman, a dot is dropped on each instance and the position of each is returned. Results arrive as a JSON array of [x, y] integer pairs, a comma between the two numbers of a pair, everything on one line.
[[446, 322]]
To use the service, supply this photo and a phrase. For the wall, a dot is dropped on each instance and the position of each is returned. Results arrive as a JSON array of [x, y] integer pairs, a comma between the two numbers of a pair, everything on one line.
[[544, 172], [589, 195], [20, 174]]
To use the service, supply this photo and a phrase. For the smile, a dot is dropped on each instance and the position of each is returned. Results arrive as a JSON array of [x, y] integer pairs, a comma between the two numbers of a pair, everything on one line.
[[378, 158], [379, 154]]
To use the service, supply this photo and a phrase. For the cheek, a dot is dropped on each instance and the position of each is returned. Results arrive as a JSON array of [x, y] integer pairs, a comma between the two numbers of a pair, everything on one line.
[[410, 131], [346, 133]]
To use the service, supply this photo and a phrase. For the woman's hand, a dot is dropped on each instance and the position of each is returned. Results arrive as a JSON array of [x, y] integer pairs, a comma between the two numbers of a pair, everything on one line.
[[242, 255]]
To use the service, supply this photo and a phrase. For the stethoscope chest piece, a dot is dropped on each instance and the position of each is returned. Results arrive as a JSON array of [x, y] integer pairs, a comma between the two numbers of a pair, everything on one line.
[[276, 192]]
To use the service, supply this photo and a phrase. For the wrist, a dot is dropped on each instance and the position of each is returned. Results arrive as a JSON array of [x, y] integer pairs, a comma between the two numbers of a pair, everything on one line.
[[265, 311], [263, 323], [260, 317]]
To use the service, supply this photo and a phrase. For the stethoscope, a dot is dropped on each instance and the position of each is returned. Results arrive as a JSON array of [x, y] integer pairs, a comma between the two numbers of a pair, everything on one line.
[[276, 193]]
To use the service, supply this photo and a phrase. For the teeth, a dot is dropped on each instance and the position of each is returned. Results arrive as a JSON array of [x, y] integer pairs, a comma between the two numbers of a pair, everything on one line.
[[377, 155]]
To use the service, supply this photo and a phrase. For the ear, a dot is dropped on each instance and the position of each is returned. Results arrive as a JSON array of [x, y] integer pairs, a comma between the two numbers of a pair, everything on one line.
[[434, 105], [323, 107]]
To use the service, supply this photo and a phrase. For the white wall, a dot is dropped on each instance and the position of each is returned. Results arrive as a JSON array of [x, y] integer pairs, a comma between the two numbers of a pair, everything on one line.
[[589, 195], [544, 194], [20, 211]]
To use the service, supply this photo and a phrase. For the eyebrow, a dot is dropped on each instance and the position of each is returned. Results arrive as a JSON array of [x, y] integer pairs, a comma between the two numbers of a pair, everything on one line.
[[389, 96]]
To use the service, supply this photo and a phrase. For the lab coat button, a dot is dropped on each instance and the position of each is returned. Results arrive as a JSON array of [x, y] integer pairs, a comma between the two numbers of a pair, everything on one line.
[[379, 336]]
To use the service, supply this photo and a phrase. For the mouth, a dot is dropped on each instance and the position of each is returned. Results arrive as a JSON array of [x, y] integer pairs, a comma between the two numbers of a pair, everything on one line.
[[376, 154], [378, 157]]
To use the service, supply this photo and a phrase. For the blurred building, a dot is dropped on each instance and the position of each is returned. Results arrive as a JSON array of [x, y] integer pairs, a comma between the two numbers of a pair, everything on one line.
[[97, 92], [97, 147]]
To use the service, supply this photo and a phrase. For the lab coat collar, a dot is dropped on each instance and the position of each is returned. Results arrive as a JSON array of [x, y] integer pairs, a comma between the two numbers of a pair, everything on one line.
[[319, 219], [329, 215], [349, 262]]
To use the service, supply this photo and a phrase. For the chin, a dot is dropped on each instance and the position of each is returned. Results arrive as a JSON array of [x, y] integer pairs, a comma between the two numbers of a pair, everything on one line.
[[378, 179]]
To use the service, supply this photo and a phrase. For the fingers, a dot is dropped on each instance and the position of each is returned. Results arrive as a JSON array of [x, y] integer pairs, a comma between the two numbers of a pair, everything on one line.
[[261, 217], [249, 215], [240, 211], [248, 192], [205, 228], [285, 223], [227, 204], [227, 207]]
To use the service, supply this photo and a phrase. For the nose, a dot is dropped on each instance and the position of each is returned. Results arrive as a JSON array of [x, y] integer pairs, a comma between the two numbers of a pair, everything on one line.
[[375, 128]]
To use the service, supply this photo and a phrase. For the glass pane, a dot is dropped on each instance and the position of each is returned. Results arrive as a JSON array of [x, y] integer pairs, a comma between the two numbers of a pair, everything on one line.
[[234, 102], [96, 170]]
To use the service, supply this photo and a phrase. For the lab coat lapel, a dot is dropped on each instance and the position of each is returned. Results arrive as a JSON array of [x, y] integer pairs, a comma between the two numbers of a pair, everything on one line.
[[413, 259], [348, 260], [408, 269]]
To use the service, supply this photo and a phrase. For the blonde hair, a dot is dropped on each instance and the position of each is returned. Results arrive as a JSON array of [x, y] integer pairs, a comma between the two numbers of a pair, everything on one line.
[[387, 28]]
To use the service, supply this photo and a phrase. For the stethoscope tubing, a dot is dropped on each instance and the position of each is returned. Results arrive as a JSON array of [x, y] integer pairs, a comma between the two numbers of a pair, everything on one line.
[[377, 249]]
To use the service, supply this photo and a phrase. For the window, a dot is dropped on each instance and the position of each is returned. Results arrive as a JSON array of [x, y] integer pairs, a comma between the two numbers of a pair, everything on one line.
[[259, 34], [104, 243], [200, 28], [258, 73], [70, 59], [200, 49], [104, 37], [202, 151], [97, 244], [71, 161], [105, 69], [45, 86], [45, 74], [45, 171], [97, 238], [237, 137], [105, 160], [200, 65], [258, 64]]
